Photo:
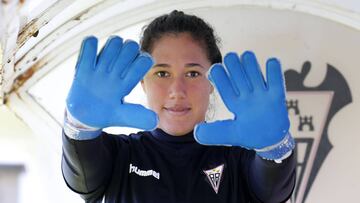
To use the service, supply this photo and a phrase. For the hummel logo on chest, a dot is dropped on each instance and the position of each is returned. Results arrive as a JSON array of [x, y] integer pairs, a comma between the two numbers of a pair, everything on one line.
[[136, 170]]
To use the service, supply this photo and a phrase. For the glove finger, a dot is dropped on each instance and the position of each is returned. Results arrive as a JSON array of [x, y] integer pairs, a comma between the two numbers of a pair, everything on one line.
[[87, 57], [108, 54], [237, 74], [253, 71], [134, 116], [221, 80], [216, 133], [275, 78], [137, 70], [128, 53]]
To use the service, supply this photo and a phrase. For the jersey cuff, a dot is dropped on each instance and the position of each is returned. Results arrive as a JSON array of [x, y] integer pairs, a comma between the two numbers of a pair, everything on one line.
[[76, 130], [279, 151]]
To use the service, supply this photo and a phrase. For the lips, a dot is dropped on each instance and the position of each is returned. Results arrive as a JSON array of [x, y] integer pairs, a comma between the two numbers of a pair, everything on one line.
[[177, 110]]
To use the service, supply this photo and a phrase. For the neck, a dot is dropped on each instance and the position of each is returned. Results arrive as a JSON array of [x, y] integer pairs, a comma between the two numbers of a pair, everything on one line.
[[164, 136], [178, 133]]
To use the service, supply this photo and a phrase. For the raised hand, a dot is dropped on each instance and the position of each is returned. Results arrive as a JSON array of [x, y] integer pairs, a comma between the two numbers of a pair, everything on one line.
[[261, 118], [96, 97]]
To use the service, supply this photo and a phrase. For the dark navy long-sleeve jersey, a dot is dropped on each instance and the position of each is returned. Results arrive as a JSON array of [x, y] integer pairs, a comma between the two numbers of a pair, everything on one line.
[[154, 167]]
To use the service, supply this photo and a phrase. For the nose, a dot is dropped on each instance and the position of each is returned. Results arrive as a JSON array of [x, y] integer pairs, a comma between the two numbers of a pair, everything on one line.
[[177, 88]]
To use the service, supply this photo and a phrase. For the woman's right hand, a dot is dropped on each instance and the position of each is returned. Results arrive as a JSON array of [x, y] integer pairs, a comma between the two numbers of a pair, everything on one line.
[[96, 97]]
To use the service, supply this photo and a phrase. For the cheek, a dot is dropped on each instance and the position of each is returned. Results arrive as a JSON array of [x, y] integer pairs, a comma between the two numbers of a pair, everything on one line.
[[206, 87], [202, 94], [155, 94]]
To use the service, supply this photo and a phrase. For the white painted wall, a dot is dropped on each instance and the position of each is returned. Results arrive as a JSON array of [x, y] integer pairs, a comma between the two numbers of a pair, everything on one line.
[[41, 181], [295, 36]]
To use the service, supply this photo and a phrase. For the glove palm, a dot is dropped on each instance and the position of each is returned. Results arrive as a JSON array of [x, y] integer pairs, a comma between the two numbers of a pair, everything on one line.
[[260, 110], [96, 97]]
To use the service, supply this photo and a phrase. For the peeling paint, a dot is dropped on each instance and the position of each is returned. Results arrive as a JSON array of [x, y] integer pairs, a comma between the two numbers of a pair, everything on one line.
[[28, 31], [21, 79], [36, 33]]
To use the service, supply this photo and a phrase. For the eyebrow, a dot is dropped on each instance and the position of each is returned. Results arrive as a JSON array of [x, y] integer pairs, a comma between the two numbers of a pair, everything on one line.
[[188, 65]]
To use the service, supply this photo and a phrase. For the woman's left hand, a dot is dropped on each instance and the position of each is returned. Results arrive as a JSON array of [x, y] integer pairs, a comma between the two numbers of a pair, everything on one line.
[[259, 106]]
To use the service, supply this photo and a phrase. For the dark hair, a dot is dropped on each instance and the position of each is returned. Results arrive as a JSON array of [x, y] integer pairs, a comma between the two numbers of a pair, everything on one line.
[[178, 22]]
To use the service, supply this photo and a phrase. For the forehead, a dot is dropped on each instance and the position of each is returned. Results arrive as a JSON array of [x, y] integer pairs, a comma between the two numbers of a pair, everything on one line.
[[178, 46]]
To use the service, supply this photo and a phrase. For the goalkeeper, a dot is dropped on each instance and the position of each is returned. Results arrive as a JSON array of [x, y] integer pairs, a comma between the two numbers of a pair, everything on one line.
[[178, 157]]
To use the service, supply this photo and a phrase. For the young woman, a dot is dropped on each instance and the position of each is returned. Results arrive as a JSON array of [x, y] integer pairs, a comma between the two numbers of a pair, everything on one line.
[[175, 159]]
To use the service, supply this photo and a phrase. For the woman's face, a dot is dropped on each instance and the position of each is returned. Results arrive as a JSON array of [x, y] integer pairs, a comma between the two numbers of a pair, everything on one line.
[[176, 86]]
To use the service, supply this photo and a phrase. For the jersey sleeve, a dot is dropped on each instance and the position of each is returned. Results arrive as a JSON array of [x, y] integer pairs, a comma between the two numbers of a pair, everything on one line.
[[87, 165], [268, 181]]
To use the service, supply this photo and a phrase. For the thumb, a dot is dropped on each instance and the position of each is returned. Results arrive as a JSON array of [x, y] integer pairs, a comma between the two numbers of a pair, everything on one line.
[[134, 116], [216, 133]]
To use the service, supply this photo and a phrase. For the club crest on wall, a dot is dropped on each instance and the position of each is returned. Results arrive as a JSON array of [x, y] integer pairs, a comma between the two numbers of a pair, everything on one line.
[[311, 110]]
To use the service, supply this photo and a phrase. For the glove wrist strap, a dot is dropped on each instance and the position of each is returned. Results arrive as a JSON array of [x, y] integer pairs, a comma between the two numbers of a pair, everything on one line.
[[279, 151], [76, 130]]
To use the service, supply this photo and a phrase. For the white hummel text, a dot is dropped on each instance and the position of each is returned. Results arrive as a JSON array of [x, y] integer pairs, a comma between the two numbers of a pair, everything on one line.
[[135, 169], [214, 176]]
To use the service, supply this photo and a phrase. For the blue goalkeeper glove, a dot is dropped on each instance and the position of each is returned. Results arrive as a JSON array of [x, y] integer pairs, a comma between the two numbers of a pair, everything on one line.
[[96, 97], [260, 113]]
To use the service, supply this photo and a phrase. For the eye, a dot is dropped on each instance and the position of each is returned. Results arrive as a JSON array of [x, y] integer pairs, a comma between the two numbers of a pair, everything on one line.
[[193, 74], [162, 74]]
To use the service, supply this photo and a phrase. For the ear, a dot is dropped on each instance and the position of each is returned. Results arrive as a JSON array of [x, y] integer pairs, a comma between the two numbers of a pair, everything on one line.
[[211, 88], [143, 85]]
